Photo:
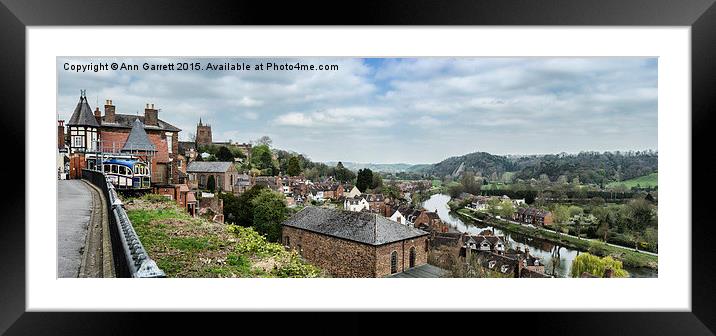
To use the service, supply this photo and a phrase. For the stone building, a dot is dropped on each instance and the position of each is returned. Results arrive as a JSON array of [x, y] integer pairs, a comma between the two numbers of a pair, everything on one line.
[[354, 244], [203, 134], [224, 175]]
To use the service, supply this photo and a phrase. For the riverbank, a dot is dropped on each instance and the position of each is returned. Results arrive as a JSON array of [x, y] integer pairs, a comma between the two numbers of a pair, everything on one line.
[[628, 257]]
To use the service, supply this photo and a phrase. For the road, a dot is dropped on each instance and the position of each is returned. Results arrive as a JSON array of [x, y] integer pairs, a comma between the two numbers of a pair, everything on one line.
[[82, 241]]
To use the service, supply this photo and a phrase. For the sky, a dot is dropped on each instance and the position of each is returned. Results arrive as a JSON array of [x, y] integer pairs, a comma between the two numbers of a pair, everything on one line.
[[391, 110]]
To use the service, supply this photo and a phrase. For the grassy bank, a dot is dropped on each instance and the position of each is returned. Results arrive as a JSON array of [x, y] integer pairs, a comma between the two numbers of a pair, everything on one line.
[[651, 180], [190, 247], [627, 256]]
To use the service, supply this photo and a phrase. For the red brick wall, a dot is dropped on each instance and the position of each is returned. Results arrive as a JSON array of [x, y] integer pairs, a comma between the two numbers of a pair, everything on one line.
[[114, 138], [341, 258]]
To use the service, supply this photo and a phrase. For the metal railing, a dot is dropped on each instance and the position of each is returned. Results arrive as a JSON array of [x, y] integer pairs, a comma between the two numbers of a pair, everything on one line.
[[130, 258]]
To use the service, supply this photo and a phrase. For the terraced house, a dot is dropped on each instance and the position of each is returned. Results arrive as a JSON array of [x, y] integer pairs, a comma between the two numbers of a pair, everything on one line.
[[355, 244]]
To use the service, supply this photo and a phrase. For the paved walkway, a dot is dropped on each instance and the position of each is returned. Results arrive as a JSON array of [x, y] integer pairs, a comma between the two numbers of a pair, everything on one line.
[[422, 271], [74, 213]]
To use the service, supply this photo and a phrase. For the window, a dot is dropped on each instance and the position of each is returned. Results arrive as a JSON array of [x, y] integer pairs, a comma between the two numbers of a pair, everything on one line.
[[122, 170], [114, 169], [394, 262], [106, 168], [78, 141], [300, 249], [169, 141], [287, 241], [412, 257]]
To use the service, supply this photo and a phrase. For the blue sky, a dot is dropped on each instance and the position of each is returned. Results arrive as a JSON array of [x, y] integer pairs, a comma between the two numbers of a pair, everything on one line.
[[395, 110]]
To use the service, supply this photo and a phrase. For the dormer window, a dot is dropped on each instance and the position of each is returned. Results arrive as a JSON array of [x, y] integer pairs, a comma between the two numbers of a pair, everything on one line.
[[504, 268], [491, 264]]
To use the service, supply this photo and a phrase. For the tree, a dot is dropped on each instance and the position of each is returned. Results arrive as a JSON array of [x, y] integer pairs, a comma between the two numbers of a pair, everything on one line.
[[269, 211], [454, 190], [506, 209], [224, 154], [560, 214], [211, 183], [264, 140], [231, 207], [376, 182], [594, 265], [244, 211], [470, 184], [294, 167], [343, 174], [391, 191], [364, 180]]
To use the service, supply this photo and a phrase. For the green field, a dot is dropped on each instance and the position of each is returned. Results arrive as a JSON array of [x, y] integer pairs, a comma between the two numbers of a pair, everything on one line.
[[642, 181]]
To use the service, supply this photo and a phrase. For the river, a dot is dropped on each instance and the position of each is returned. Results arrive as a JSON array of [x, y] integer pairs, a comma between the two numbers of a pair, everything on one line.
[[557, 259]]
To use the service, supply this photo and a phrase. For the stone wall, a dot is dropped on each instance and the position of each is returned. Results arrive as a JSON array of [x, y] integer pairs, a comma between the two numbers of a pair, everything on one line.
[[339, 257], [403, 249]]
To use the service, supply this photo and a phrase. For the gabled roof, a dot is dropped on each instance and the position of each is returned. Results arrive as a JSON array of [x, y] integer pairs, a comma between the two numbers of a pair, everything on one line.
[[138, 139], [208, 167], [362, 227], [83, 116]]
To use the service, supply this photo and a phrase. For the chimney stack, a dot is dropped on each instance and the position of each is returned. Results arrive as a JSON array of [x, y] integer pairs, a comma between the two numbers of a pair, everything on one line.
[[109, 111], [151, 115], [60, 134], [98, 115]]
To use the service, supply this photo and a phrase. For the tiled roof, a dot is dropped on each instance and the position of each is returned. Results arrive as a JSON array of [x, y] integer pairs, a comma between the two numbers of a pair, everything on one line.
[[208, 167], [360, 227], [138, 139], [127, 121], [83, 116]]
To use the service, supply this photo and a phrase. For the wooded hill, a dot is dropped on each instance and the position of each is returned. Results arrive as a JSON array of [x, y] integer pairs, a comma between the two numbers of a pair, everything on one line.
[[589, 167]]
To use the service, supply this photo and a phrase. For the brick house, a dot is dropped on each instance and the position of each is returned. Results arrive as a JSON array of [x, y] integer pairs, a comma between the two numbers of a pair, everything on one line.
[[354, 244], [377, 203], [114, 130], [181, 194], [223, 173], [430, 221], [533, 216]]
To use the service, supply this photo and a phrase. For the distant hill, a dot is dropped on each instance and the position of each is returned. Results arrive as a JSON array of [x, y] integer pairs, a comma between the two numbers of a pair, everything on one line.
[[376, 167], [484, 163], [589, 167]]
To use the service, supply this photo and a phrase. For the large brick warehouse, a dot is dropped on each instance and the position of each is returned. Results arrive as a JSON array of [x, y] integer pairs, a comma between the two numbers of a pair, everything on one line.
[[355, 244]]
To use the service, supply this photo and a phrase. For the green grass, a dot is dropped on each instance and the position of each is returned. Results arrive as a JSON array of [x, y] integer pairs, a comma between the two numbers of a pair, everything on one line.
[[184, 246], [650, 180]]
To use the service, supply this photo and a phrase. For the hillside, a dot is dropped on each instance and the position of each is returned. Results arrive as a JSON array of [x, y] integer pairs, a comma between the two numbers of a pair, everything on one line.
[[376, 167], [646, 181], [189, 247], [589, 167], [484, 163]]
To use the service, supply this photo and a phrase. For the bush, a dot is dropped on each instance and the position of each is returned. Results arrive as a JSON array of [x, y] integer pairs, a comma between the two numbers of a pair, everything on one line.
[[155, 198]]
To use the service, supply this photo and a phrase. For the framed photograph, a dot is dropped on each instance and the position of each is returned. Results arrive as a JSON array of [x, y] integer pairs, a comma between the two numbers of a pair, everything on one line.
[[496, 157]]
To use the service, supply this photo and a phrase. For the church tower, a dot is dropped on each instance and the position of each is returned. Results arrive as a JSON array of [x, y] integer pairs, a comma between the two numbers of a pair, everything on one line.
[[203, 134]]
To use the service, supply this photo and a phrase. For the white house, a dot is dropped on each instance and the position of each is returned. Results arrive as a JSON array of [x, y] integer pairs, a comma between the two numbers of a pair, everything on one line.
[[518, 202], [399, 217], [316, 195], [353, 193], [356, 204]]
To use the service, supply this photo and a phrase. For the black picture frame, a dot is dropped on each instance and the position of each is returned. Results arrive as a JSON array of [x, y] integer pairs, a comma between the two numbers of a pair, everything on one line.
[[700, 15]]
